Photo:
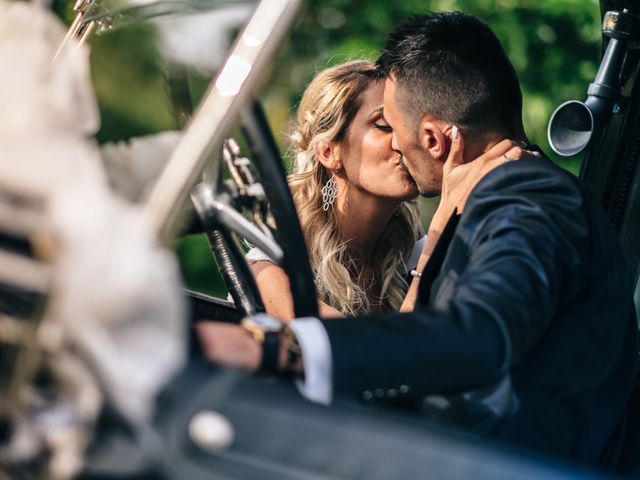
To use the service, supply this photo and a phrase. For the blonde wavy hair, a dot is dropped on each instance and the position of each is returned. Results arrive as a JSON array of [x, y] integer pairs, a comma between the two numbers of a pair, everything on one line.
[[328, 106]]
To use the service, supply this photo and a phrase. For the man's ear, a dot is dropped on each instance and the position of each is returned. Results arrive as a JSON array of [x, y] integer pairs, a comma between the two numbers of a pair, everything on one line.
[[433, 138], [328, 154]]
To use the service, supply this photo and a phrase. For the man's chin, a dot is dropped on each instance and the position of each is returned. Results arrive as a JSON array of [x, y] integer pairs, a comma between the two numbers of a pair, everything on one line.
[[429, 192]]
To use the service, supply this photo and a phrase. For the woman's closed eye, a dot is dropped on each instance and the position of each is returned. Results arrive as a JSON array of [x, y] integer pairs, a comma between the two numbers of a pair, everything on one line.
[[383, 127]]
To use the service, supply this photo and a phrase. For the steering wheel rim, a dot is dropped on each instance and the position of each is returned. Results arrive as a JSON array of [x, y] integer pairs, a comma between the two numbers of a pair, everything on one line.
[[295, 262], [224, 225]]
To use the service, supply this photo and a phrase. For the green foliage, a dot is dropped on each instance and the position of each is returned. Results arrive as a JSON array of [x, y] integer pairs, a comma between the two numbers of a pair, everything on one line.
[[128, 77], [199, 270]]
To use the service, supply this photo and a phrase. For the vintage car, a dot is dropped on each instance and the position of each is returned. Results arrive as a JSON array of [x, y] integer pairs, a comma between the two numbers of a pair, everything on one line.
[[89, 389]]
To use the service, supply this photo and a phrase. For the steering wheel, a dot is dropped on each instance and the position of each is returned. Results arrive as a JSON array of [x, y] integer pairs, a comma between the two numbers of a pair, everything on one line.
[[220, 205]]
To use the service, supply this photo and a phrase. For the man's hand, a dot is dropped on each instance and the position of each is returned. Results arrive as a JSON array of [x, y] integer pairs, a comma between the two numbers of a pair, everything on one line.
[[229, 344]]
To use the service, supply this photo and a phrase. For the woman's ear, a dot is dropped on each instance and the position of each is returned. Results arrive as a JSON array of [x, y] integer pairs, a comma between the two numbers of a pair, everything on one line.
[[328, 154], [433, 138]]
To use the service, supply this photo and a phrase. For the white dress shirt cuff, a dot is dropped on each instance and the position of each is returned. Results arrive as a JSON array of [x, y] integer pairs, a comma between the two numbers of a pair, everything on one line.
[[317, 384]]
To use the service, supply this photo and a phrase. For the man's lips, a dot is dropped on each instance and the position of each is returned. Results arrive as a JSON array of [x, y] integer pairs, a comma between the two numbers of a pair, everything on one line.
[[403, 165], [401, 162], [404, 168]]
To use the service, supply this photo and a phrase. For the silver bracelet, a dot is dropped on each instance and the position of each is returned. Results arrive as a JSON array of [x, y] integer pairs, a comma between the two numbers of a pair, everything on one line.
[[415, 273]]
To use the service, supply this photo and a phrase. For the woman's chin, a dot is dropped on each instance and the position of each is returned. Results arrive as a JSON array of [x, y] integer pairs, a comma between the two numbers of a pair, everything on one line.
[[411, 189], [409, 194]]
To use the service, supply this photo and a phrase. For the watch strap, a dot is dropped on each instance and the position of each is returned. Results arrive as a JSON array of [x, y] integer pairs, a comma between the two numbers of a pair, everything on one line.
[[293, 349], [270, 353]]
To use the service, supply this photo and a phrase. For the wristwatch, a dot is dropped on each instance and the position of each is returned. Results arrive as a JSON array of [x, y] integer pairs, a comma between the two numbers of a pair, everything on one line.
[[266, 331], [270, 332], [294, 352]]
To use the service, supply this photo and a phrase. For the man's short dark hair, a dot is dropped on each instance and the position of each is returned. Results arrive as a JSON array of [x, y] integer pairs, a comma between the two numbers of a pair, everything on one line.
[[451, 65]]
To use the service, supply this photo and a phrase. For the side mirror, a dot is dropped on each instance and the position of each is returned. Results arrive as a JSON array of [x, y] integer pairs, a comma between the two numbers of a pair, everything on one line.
[[570, 128], [574, 125]]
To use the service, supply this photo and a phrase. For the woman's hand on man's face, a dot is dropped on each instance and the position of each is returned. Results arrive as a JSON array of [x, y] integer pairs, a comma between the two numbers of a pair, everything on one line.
[[459, 178]]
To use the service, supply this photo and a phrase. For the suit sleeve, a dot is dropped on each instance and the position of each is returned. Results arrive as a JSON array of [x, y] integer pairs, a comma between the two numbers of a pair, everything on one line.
[[522, 241]]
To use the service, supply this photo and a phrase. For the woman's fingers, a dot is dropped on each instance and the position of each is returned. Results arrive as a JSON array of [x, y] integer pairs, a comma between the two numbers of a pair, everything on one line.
[[518, 153], [512, 154], [505, 151], [509, 150], [456, 151], [460, 178], [500, 149]]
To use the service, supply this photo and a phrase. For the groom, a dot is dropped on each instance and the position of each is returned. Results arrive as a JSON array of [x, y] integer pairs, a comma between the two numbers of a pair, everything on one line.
[[524, 327]]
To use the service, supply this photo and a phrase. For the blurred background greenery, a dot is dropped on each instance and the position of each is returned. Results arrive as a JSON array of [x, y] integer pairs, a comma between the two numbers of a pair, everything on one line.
[[554, 45]]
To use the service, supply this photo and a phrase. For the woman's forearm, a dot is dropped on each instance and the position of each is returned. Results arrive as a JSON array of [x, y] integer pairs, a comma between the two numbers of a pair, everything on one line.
[[433, 235], [275, 290]]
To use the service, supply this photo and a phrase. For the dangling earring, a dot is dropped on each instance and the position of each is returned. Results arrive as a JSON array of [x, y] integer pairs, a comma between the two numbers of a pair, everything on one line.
[[329, 192]]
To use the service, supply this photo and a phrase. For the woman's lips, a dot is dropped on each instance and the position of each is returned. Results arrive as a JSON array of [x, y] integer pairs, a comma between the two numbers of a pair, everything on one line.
[[405, 170]]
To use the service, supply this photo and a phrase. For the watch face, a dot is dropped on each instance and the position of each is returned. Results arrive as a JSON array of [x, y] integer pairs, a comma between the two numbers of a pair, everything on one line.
[[267, 322]]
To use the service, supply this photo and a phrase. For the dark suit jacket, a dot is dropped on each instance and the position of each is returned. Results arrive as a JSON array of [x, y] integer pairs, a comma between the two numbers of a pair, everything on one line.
[[530, 319]]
